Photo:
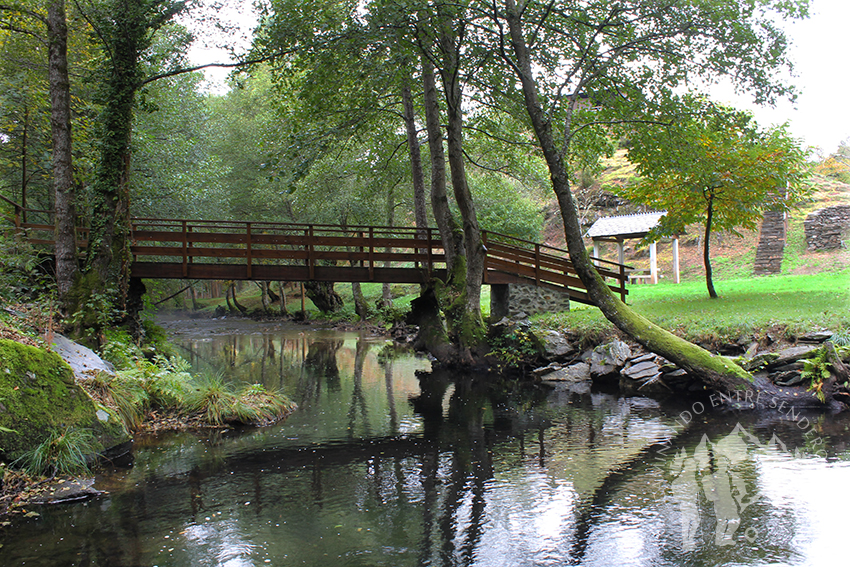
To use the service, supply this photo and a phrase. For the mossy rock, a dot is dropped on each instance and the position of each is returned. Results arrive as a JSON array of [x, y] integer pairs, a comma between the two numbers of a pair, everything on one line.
[[38, 394]]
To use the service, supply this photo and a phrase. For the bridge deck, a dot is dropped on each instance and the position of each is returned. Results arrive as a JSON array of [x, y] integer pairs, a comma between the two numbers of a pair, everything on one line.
[[228, 250]]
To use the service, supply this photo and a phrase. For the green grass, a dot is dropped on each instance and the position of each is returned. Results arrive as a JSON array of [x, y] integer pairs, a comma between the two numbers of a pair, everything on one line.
[[746, 306]]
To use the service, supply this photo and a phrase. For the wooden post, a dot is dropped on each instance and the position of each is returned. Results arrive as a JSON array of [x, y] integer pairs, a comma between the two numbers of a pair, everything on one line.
[[653, 263], [248, 247], [371, 254], [303, 309], [676, 259], [310, 268], [537, 263], [621, 252], [596, 253], [185, 249], [191, 244], [623, 280]]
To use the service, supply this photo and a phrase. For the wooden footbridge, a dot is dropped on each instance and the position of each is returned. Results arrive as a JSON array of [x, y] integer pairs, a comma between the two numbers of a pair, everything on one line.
[[267, 251]]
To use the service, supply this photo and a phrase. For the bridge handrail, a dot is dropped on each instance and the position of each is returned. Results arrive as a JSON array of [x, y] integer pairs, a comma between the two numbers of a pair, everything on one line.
[[560, 251], [369, 249]]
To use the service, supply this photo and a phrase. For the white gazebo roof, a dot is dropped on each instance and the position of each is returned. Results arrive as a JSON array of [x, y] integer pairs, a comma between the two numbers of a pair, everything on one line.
[[625, 226]]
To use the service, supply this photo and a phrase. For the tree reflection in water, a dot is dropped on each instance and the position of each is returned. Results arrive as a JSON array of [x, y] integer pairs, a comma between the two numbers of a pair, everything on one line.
[[381, 466]]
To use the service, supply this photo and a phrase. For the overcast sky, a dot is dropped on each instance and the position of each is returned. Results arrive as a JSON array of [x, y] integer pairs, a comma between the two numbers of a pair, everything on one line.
[[820, 117]]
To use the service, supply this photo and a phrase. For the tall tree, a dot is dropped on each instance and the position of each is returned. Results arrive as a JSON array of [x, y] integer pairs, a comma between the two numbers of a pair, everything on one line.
[[125, 29], [63, 173]]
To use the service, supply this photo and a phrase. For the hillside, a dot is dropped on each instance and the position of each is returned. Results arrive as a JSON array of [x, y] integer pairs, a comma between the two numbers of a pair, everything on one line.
[[732, 256]]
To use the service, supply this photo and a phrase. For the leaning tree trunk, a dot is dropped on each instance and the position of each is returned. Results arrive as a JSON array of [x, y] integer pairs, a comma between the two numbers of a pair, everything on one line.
[[718, 372], [63, 173]]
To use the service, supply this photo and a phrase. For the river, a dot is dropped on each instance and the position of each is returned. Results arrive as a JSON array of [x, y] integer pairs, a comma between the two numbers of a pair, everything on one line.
[[385, 463]]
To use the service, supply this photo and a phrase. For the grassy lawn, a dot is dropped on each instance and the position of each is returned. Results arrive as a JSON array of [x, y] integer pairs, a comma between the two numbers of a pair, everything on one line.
[[789, 304], [785, 305]]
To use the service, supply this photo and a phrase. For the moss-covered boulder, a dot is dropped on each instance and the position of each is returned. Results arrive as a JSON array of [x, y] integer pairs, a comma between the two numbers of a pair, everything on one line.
[[38, 394]]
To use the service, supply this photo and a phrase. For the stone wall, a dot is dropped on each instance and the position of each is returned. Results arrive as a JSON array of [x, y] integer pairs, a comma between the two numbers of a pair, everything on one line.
[[512, 299], [827, 229]]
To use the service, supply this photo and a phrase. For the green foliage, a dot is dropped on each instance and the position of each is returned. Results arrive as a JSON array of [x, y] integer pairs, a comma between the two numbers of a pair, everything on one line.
[[816, 370], [258, 406], [506, 207], [20, 278], [714, 158], [94, 307], [124, 392], [841, 338], [64, 451], [119, 349], [392, 314], [514, 347]]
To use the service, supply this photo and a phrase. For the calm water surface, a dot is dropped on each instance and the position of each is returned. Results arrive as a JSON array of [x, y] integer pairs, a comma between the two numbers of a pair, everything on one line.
[[381, 466]]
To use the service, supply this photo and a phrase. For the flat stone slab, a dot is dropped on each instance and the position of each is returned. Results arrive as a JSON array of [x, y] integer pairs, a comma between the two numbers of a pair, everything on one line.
[[642, 370], [579, 372], [82, 360], [792, 354], [66, 491]]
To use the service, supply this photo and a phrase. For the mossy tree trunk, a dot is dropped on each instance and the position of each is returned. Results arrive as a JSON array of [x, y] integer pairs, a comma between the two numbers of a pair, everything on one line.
[[360, 306], [717, 372]]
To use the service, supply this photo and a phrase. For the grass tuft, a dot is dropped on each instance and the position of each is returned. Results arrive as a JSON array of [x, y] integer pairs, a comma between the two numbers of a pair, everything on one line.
[[63, 452]]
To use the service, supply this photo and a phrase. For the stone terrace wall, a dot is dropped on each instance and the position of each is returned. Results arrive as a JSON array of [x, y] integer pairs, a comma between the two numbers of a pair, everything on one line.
[[826, 229], [534, 300]]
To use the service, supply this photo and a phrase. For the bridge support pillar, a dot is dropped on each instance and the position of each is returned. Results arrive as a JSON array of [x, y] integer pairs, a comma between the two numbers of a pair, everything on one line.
[[509, 300]]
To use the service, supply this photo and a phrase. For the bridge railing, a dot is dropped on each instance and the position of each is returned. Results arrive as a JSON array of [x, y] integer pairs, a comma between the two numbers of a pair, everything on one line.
[[546, 265], [313, 246]]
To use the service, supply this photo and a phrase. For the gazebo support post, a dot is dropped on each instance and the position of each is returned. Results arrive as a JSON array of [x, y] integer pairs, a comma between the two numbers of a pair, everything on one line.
[[675, 259], [653, 263]]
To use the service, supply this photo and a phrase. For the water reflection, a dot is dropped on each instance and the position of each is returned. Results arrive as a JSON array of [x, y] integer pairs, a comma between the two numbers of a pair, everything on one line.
[[384, 466]]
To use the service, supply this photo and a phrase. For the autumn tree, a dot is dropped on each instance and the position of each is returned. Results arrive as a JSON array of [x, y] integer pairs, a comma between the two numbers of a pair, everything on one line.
[[713, 166]]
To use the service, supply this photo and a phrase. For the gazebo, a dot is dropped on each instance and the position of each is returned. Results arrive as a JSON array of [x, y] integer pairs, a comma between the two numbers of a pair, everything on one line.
[[620, 228]]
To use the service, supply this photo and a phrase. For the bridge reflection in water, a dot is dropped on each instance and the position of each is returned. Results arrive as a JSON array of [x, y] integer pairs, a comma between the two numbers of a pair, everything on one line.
[[381, 466]]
